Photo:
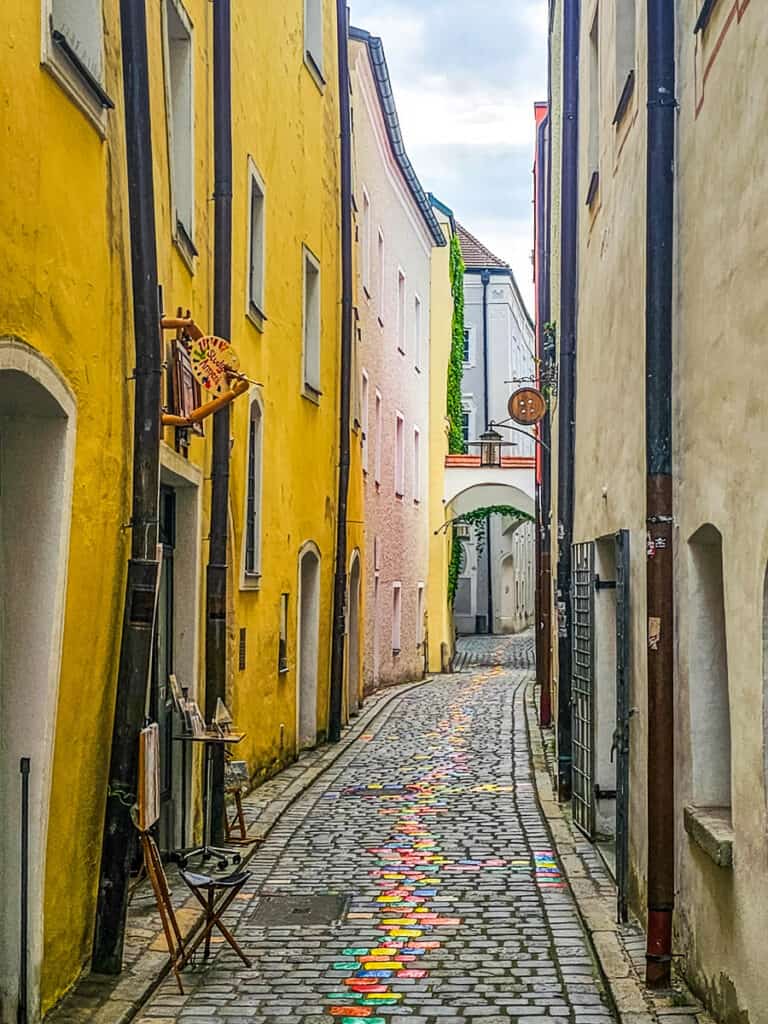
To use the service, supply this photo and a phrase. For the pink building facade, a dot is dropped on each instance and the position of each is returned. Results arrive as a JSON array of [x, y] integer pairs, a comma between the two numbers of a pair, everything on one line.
[[397, 232]]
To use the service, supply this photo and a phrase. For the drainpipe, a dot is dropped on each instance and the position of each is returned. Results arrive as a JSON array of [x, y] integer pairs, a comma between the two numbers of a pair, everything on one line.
[[567, 408], [485, 277], [216, 576], [119, 840], [340, 577], [658, 413]]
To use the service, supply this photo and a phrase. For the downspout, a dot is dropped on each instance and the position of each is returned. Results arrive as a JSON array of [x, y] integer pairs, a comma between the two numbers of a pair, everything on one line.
[[567, 396], [340, 577], [485, 277], [119, 841], [658, 413], [216, 575]]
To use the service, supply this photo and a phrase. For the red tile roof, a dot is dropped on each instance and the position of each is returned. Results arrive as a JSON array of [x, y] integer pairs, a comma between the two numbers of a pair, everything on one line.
[[475, 254]]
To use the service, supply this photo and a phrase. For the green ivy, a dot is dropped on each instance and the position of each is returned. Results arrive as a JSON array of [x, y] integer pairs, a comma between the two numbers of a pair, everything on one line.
[[478, 517], [456, 363]]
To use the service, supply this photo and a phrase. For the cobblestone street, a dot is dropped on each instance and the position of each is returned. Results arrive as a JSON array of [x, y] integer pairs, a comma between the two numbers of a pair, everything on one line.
[[452, 908]]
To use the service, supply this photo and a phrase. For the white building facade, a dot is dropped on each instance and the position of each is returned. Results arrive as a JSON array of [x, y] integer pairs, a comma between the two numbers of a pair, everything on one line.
[[398, 231]]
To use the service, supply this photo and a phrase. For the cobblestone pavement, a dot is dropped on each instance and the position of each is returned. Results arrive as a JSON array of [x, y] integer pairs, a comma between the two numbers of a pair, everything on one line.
[[454, 907], [494, 651]]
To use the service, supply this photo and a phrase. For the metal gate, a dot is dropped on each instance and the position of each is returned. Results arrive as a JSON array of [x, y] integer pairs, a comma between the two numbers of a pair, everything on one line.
[[583, 687], [623, 714]]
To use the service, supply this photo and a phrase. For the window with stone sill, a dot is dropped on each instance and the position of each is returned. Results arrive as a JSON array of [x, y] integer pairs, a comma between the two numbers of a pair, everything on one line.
[[73, 53]]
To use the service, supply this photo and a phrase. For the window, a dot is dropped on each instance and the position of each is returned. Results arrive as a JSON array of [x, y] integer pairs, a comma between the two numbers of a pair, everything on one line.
[[379, 438], [468, 333], [73, 52], [708, 672], [401, 321], [313, 38], [380, 271], [365, 244], [417, 326], [397, 616], [399, 455], [626, 22], [179, 107], [467, 421], [593, 152], [365, 416], [282, 643], [420, 615], [416, 465], [253, 498], [377, 554], [465, 428], [311, 325], [256, 242]]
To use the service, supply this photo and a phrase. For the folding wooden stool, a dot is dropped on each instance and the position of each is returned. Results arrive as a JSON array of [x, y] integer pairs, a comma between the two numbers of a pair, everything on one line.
[[206, 890]]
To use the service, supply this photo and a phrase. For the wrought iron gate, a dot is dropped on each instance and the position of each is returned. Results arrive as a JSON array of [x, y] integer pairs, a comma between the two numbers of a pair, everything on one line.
[[623, 714], [583, 687]]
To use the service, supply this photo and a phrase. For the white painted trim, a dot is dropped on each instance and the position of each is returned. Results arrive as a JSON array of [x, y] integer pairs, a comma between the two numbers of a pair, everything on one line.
[[59, 68], [254, 175], [188, 26], [252, 581], [16, 355]]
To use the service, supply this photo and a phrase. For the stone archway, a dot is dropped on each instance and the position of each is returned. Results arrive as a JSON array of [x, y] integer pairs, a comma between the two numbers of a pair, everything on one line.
[[307, 646], [37, 435]]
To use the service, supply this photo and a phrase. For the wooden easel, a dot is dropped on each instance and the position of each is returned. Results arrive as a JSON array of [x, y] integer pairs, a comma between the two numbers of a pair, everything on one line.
[[156, 872]]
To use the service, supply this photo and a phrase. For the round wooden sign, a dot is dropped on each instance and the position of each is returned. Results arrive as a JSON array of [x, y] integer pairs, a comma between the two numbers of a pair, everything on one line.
[[527, 406], [213, 361]]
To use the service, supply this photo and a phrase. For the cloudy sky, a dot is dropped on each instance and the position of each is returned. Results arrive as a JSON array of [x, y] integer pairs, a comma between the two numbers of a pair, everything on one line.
[[466, 74]]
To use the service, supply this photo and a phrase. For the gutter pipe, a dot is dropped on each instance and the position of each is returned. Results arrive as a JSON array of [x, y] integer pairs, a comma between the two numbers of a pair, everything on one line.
[[567, 407], [658, 413], [340, 577], [136, 645], [216, 573]]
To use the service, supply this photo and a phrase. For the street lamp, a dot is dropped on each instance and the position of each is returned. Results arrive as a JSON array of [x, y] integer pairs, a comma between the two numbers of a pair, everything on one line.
[[490, 447]]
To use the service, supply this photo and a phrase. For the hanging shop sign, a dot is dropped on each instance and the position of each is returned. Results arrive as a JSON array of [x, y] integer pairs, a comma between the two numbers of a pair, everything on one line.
[[527, 406], [214, 362]]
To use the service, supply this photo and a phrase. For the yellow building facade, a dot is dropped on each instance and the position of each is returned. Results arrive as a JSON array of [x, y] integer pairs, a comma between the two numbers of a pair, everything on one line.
[[66, 362]]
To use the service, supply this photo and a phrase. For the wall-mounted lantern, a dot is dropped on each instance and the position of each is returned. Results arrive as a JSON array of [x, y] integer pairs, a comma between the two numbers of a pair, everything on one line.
[[490, 448]]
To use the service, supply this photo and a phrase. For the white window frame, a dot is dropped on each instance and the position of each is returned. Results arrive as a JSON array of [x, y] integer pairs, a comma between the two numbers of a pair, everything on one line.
[[365, 417], [399, 455], [313, 41], [379, 410], [418, 323], [397, 617], [251, 578], [65, 73], [469, 330], [468, 406], [365, 243], [402, 311], [254, 304], [183, 233], [381, 267], [311, 374], [416, 465]]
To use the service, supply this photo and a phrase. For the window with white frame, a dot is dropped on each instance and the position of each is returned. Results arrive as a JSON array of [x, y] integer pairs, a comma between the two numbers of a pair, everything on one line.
[[73, 52], [313, 37], [365, 413], [417, 328], [401, 314], [179, 109], [399, 455], [380, 272], [467, 422], [365, 243], [468, 346], [256, 245], [397, 616], [420, 632], [252, 532], [416, 464], [379, 438], [626, 29], [311, 332], [593, 138]]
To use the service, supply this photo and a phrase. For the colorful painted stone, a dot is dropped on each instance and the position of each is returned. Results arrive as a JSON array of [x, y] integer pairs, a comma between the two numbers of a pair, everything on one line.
[[357, 951], [412, 974]]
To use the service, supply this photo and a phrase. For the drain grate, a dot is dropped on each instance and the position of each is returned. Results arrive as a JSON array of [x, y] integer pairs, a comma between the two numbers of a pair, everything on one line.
[[299, 911]]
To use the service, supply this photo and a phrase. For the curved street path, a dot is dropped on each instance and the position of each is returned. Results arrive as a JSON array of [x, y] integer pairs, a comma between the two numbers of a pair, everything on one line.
[[441, 900]]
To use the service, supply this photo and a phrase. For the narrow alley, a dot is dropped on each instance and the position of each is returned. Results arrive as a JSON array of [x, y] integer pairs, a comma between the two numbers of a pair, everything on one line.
[[416, 877]]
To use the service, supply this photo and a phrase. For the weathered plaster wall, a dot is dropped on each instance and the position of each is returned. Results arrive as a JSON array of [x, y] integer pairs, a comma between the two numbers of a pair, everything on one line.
[[399, 525]]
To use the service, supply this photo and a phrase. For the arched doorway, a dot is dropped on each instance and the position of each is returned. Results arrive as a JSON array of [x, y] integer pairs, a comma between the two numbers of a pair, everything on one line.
[[37, 429], [353, 638], [307, 646]]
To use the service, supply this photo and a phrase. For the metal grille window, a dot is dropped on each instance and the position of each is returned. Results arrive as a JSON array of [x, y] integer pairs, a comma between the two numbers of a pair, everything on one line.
[[582, 686]]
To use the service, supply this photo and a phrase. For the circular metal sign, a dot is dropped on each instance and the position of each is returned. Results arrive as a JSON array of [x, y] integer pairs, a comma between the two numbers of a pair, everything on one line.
[[527, 406], [213, 361]]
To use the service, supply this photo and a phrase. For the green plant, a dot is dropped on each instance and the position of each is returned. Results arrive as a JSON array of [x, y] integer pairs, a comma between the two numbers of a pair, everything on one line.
[[456, 362], [478, 517]]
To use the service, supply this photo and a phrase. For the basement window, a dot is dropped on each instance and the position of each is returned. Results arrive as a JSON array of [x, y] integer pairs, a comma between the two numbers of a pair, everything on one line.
[[73, 53], [180, 124]]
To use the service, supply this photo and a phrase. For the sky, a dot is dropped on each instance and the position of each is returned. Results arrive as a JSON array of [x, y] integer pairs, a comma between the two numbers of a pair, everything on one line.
[[466, 74]]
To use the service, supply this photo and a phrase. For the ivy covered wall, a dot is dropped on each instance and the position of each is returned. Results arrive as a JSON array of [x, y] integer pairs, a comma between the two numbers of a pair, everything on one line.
[[456, 364]]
